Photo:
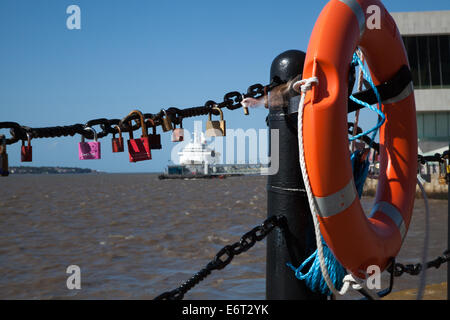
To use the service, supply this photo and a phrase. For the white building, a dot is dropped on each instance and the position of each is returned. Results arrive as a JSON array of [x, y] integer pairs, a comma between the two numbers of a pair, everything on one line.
[[426, 36]]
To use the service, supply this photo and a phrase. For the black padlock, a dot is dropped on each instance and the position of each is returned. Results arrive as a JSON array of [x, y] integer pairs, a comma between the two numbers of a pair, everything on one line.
[[4, 167], [155, 139]]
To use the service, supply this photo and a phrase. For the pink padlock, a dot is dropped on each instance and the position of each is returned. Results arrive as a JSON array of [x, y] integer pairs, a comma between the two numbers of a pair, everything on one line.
[[89, 150]]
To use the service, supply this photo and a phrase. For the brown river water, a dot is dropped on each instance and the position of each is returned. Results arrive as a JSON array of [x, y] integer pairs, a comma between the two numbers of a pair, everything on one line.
[[134, 236]]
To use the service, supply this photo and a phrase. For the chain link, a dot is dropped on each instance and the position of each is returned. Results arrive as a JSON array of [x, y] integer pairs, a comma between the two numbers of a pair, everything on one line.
[[225, 255], [437, 157], [399, 269]]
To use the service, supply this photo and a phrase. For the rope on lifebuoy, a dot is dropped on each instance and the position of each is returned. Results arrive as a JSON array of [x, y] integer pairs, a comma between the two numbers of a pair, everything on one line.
[[306, 85]]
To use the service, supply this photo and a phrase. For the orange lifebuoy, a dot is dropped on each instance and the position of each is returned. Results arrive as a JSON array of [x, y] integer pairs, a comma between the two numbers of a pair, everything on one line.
[[358, 241]]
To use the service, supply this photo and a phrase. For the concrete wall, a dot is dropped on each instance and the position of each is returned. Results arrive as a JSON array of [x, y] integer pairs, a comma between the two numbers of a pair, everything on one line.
[[433, 189], [424, 22], [432, 99]]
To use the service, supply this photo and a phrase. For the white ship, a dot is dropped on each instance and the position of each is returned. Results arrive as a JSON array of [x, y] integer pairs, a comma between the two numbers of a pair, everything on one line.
[[197, 160], [197, 152]]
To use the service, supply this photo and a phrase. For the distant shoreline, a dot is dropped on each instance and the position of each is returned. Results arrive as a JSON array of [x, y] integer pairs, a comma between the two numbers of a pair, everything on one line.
[[22, 170], [51, 170]]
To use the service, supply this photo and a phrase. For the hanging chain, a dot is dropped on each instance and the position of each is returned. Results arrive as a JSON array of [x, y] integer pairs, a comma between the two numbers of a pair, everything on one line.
[[414, 269], [437, 157], [225, 255], [232, 101]]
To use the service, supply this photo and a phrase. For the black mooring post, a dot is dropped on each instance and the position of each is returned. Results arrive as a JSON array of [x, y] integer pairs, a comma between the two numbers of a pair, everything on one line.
[[285, 194]]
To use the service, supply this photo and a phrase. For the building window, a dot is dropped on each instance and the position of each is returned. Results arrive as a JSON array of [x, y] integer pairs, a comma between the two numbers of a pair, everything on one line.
[[429, 58], [433, 125], [444, 46]]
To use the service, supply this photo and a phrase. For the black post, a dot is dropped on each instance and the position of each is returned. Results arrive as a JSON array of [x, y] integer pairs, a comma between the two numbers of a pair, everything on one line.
[[448, 223], [285, 194]]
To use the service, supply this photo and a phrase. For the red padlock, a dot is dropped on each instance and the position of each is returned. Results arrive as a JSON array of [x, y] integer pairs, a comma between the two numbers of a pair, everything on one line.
[[155, 139], [178, 133], [139, 149], [26, 152], [117, 143]]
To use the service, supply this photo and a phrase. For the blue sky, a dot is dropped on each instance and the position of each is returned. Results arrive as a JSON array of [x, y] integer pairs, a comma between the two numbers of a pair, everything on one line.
[[141, 54]]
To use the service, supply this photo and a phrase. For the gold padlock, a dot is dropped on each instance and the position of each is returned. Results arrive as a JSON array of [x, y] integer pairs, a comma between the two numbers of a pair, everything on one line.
[[442, 173], [244, 105], [4, 167], [166, 123], [215, 128]]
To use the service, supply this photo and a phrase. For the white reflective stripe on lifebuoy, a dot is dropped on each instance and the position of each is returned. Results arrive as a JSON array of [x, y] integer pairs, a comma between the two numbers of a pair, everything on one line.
[[337, 202], [406, 92], [392, 212], [359, 13]]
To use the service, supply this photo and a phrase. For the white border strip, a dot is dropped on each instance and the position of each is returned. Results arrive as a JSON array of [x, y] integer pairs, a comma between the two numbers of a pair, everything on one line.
[[392, 212], [359, 13], [337, 202]]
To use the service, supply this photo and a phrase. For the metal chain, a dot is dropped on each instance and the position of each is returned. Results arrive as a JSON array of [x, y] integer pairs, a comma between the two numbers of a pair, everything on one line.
[[437, 157], [399, 269], [232, 100], [225, 255]]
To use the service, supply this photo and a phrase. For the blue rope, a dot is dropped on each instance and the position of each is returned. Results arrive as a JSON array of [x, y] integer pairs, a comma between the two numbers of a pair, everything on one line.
[[313, 277], [381, 118]]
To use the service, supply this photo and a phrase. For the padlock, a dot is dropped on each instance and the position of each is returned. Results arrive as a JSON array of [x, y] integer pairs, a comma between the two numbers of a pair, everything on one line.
[[178, 133], [166, 123], [215, 128], [442, 173], [26, 152], [155, 139], [89, 150], [139, 149], [266, 98], [117, 143], [4, 167], [244, 105], [447, 177]]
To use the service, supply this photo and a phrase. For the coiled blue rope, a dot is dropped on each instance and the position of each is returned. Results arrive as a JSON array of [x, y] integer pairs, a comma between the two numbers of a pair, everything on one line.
[[313, 277]]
